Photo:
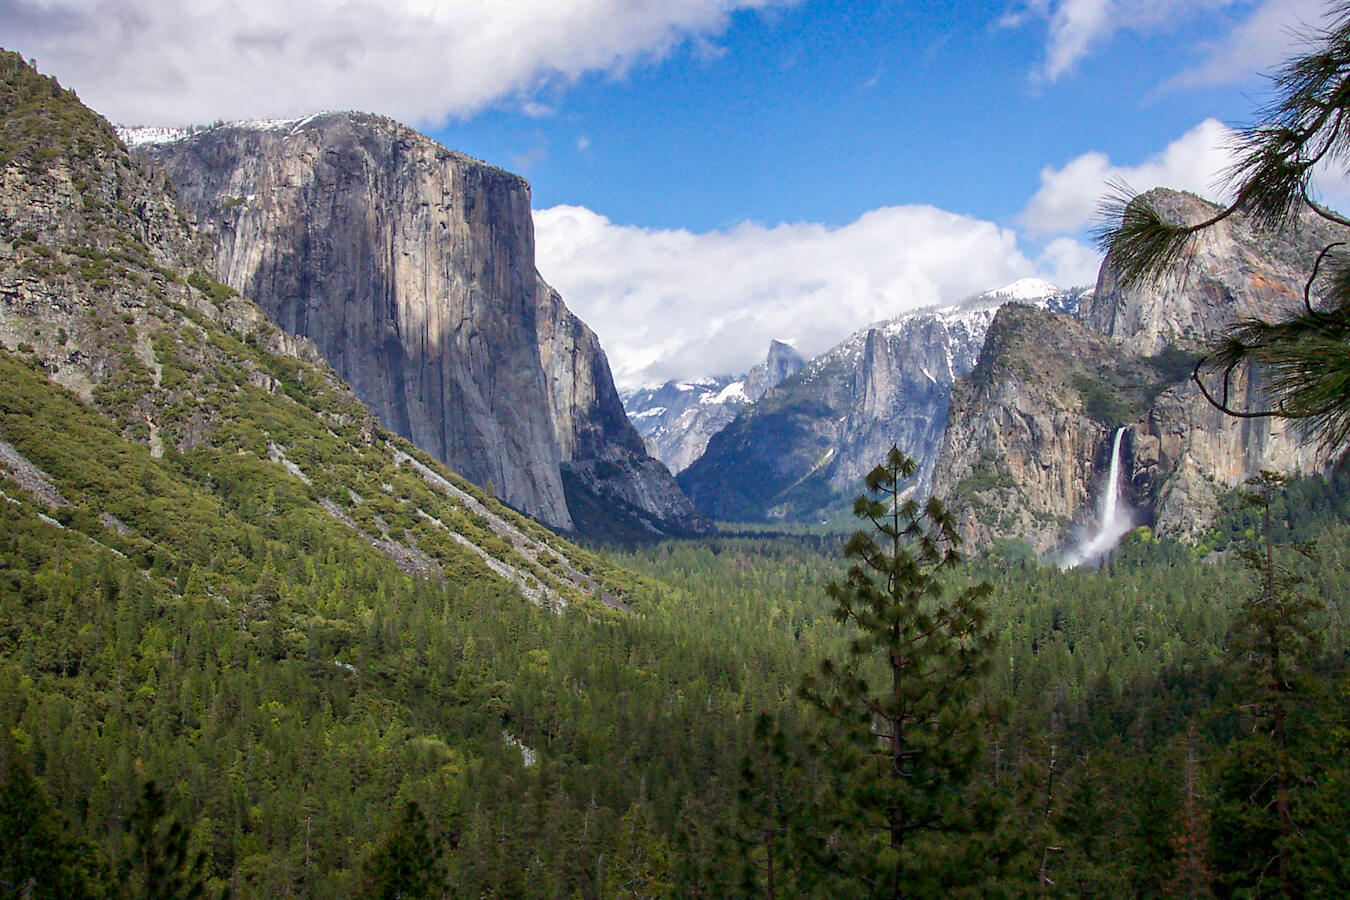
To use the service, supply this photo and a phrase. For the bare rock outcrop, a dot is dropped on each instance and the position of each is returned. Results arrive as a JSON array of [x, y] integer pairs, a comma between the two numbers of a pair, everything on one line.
[[1234, 270], [1029, 434]]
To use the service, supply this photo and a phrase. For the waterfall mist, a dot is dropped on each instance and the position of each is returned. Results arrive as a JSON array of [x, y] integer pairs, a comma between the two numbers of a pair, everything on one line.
[[1114, 518]]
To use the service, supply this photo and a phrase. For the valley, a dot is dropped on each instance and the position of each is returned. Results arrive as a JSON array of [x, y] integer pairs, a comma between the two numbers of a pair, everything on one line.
[[333, 562]]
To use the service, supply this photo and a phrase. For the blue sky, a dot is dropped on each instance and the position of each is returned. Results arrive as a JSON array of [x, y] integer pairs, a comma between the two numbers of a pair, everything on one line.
[[711, 174], [822, 111]]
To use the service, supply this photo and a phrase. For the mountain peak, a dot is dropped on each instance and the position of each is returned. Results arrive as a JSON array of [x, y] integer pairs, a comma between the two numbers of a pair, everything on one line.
[[1026, 289]]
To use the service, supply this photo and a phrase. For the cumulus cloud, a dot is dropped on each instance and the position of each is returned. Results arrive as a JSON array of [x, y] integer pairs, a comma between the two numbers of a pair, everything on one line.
[[1074, 28], [168, 62], [676, 304], [1198, 161], [1269, 36], [1068, 197], [1069, 262]]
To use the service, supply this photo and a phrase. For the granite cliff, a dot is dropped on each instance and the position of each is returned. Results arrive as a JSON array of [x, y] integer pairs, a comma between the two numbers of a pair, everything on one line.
[[1031, 426], [411, 268], [802, 450]]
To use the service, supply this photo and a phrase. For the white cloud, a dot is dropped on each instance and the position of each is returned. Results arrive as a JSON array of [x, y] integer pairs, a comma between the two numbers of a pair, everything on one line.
[[176, 62], [1260, 44], [1075, 25], [1074, 28], [1068, 198], [1070, 263], [675, 304]]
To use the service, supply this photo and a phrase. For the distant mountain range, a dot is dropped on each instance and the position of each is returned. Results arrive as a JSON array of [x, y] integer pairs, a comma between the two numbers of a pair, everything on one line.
[[677, 419], [802, 449]]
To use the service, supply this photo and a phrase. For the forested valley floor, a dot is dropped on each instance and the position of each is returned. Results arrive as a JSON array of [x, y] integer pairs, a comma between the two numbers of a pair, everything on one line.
[[340, 727]]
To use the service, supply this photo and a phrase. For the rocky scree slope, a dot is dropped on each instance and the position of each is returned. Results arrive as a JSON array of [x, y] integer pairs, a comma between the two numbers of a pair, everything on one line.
[[411, 268], [802, 450], [162, 415], [677, 419], [1030, 429]]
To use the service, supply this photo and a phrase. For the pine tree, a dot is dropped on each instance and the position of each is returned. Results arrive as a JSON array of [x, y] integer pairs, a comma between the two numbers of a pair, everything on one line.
[[158, 864], [768, 800], [1259, 833], [38, 860], [408, 864], [899, 717], [1191, 875]]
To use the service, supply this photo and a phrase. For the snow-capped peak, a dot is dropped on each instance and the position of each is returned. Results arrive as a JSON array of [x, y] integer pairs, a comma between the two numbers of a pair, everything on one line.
[[1027, 289], [140, 135], [731, 393]]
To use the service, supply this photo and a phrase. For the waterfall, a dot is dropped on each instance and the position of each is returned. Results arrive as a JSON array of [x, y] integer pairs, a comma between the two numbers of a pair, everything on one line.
[[1114, 518]]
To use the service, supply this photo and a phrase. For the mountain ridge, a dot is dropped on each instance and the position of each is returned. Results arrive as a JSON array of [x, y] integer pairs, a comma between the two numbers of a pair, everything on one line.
[[801, 450], [677, 419], [1031, 426]]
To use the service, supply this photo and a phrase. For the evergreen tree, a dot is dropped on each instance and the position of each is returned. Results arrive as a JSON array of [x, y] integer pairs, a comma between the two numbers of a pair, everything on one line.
[[1260, 834], [641, 865], [38, 860], [158, 865], [408, 864], [768, 800], [1191, 875], [900, 720]]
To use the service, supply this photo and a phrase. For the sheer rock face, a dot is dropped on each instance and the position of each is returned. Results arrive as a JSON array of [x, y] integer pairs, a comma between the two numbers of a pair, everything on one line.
[[1023, 449], [780, 364], [1029, 439], [411, 267], [1233, 271], [606, 471]]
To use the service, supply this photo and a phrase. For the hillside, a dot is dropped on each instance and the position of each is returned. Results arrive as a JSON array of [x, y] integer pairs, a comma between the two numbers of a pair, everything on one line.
[[218, 570]]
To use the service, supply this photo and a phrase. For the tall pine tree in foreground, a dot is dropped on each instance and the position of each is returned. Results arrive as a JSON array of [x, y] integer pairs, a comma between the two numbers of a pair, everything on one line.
[[900, 717], [1275, 833]]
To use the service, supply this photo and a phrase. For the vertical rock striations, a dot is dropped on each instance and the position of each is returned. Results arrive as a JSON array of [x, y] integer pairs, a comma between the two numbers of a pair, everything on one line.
[[411, 267], [612, 486], [1031, 425], [1028, 439]]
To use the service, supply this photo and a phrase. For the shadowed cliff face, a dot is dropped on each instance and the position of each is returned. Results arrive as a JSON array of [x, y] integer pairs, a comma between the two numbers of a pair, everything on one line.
[[411, 267], [1030, 428]]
